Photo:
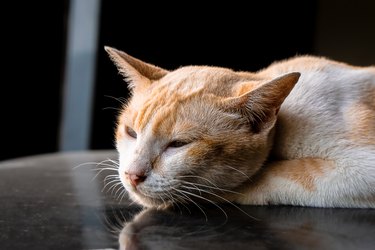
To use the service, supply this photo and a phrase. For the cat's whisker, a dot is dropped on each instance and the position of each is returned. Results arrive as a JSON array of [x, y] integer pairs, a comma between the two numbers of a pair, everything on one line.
[[182, 201], [205, 199], [112, 108], [117, 221], [108, 183], [182, 193], [120, 220], [99, 171], [120, 187], [114, 227], [210, 182], [100, 167], [96, 163], [239, 171], [107, 161], [111, 176], [211, 187], [114, 181], [114, 162], [178, 199], [193, 184], [132, 203], [119, 192], [87, 164], [121, 100], [226, 200], [173, 199], [110, 180], [163, 201], [122, 194], [114, 186], [199, 177], [107, 167]]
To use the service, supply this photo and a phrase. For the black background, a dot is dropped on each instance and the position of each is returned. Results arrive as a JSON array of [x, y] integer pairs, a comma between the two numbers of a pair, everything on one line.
[[242, 37]]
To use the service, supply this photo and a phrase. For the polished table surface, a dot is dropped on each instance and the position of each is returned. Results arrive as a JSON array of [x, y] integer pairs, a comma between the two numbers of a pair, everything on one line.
[[47, 202]]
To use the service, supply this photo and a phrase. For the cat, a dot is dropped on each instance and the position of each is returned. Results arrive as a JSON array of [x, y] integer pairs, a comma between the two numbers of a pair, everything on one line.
[[299, 132]]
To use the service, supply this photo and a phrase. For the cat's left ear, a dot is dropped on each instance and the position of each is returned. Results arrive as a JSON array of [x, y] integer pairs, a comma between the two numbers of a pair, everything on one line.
[[261, 105], [138, 73]]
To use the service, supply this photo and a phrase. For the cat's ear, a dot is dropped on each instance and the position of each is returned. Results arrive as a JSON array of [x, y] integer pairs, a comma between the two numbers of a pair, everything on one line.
[[261, 105], [138, 73]]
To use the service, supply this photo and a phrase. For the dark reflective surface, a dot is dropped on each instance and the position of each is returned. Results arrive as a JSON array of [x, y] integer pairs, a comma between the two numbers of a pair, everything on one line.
[[275, 228], [46, 204]]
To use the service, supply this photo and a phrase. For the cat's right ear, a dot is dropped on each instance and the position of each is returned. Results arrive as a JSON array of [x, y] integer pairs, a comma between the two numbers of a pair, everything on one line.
[[137, 73], [261, 105]]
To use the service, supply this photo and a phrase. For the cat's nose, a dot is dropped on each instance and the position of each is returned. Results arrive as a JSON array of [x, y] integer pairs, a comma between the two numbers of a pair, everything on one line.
[[135, 179]]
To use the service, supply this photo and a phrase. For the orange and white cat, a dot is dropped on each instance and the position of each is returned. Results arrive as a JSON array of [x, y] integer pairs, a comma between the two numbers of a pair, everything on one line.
[[300, 132]]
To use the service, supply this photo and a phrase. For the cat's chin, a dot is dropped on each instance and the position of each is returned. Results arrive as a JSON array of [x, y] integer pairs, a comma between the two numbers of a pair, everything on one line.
[[149, 202]]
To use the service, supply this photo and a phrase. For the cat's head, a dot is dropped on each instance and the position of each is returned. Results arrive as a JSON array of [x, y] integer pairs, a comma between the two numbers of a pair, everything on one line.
[[195, 134]]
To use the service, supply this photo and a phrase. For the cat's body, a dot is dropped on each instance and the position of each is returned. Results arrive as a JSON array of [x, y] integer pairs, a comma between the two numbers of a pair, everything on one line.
[[325, 135], [206, 134]]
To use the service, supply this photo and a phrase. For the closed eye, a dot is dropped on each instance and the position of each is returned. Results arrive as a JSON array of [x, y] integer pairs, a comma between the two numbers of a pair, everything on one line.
[[131, 132], [177, 144]]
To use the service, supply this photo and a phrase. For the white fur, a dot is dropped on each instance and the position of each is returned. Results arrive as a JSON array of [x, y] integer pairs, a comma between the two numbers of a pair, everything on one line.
[[312, 125]]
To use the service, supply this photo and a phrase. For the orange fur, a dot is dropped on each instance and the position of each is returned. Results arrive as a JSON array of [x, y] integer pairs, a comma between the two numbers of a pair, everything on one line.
[[301, 171], [360, 121]]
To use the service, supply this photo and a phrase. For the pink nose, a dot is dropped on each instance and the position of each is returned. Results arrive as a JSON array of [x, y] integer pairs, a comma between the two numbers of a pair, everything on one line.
[[135, 179]]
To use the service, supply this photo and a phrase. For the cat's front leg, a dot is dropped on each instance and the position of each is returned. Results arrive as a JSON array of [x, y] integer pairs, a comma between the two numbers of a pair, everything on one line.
[[305, 182]]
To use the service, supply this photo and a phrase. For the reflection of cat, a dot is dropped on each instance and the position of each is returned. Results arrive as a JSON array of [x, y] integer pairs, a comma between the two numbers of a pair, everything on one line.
[[276, 228], [299, 132]]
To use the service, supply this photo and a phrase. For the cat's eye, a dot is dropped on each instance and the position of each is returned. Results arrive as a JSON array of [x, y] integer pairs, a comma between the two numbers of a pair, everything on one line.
[[177, 144], [131, 132]]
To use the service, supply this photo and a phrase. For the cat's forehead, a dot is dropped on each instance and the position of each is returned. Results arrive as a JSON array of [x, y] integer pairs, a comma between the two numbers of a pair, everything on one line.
[[200, 73], [190, 79], [164, 99], [183, 89]]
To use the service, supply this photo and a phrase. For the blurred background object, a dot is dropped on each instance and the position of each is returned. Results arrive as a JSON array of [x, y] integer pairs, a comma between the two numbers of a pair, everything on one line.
[[62, 93]]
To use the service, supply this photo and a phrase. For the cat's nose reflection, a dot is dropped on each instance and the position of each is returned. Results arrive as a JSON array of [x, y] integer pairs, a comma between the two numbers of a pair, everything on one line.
[[164, 229], [274, 227]]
